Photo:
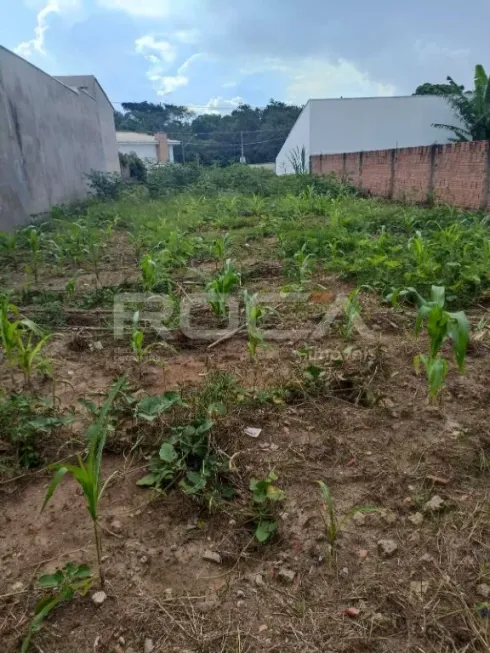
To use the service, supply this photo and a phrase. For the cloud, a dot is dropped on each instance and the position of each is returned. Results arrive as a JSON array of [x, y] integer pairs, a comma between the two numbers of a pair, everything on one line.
[[161, 54], [142, 8], [28, 48], [218, 105], [317, 78]]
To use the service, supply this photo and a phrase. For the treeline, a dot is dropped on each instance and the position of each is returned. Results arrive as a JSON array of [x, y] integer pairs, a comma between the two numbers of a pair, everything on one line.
[[214, 138]]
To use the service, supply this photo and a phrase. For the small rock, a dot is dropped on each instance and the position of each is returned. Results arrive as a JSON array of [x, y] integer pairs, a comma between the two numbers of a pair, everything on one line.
[[144, 560], [352, 612], [168, 593], [174, 547], [149, 646], [97, 346], [389, 517], [240, 604], [435, 504], [427, 558], [116, 526], [387, 547], [263, 628], [240, 594], [286, 575], [98, 598], [344, 572], [419, 588], [416, 519], [259, 580], [212, 556], [363, 553], [17, 587], [359, 519], [483, 590], [122, 641]]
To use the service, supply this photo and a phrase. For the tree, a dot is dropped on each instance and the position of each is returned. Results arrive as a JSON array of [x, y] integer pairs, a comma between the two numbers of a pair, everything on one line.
[[437, 89], [149, 118], [472, 109]]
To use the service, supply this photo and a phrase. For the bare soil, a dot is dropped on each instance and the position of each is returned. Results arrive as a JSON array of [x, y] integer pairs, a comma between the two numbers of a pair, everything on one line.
[[373, 438]]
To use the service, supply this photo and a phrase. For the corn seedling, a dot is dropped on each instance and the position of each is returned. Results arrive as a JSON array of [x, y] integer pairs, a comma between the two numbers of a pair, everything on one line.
[[63, 585], [253, 313], [303, 265], [265, 495], [70, 287], [88, 474], [34, 244], [220, 249], [352, 310], [148, 272], [221, 286], [441, 325], [28, 357], [334, 525]]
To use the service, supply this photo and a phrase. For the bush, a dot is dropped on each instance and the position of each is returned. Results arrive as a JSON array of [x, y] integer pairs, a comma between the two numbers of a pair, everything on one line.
[[105, 185], [134, 165]]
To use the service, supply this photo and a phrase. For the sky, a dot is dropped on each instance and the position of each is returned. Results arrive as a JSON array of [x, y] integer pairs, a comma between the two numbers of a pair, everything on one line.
[[212, 55]]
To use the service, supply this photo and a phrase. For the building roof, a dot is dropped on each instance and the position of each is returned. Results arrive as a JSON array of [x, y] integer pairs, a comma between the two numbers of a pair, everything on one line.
[[134, 137]]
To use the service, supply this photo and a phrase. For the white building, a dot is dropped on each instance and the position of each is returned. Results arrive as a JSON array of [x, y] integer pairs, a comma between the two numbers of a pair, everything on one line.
[[153, 149], [362, 124]]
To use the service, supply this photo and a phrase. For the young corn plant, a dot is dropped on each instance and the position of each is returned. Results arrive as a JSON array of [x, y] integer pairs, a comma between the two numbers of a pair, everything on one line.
[[88, 474], [148, 268], [34, 244], [333, 524], [441, 326], [227, 279], [220, 249], [63, 585], [265, 496], [140, 350], [352, 310], [28, 355], [303, 265], [254, 312]]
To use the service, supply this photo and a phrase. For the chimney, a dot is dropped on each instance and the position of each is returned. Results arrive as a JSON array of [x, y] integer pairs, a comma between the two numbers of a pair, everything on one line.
[[162, 147]]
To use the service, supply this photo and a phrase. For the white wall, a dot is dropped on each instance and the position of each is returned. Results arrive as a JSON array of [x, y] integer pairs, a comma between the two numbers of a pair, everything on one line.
[[299, 137], [145, 151], [363, 124]]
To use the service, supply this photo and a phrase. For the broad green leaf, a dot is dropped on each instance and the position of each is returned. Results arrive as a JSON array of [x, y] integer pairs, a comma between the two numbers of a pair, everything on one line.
[[265, 530], [51, 580], [167, 452], [56, 480], [437, 371], [147, 481], [459, 332]]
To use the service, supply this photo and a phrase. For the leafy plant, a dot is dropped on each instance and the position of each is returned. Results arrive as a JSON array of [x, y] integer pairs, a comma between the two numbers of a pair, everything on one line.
[[88, 474], [265, 496], [441, 325], [333, 524], [23, 419], [219, 289], [187, 459], [297, 159], [64, 584]]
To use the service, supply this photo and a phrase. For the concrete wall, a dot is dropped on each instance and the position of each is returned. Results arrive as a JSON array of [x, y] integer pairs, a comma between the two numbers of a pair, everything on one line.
[[367, 124], [50, 139], [299, 137], [106, 116], [457, 174]]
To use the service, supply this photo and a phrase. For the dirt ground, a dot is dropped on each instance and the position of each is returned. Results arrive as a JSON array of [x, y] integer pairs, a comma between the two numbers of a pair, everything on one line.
[[409, 577]]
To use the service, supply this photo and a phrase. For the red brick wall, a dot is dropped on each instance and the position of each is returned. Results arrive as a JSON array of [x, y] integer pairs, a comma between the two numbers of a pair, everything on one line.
[[456, 174]]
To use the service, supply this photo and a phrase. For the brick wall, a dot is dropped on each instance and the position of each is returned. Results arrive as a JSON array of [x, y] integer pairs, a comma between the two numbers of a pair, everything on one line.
[[457, 174]]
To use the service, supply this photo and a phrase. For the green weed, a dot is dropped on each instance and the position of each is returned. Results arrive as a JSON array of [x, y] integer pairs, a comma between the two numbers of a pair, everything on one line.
[[219, 289], [63, 585], [265, 497]]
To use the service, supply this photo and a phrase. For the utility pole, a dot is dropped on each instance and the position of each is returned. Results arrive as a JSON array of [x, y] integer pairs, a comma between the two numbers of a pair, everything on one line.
[[242, 157]]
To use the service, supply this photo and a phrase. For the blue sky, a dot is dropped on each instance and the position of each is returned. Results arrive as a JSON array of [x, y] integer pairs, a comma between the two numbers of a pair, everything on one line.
[[216, 53]]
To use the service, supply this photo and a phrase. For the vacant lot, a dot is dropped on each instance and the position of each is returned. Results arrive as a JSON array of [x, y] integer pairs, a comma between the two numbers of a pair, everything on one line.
[[215, 533]]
